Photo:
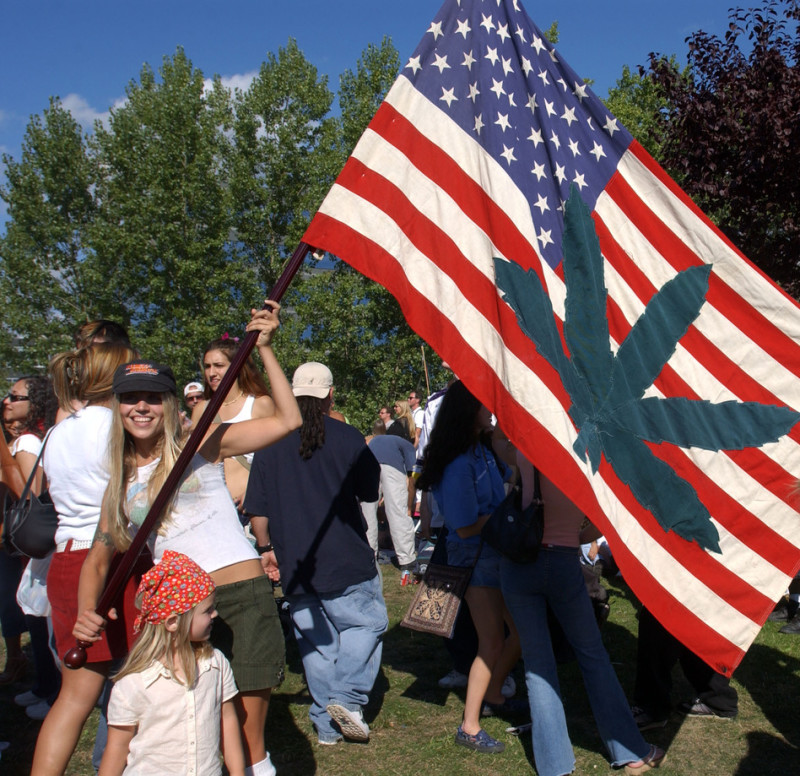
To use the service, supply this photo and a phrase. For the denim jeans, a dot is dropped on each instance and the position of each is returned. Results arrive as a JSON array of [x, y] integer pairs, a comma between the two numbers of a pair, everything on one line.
[[556, 579], [340, 639]]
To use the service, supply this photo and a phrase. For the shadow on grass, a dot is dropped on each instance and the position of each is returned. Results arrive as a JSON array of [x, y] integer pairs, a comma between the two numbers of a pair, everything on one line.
[[420, 655], [772, 677], [768, 755], [16, 727]]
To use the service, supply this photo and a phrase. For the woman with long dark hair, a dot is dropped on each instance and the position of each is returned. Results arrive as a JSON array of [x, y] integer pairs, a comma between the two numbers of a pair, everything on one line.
[[248, 398], [28, 411], [466, 478]]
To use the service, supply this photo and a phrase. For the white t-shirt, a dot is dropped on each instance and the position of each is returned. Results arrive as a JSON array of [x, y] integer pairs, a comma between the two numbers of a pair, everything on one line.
[[418, 415], [178, 726], [75, 462], [204, 524], [27, 443]]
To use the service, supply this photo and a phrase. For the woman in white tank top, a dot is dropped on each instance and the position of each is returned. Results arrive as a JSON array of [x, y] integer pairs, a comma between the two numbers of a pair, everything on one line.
[[247, 399]]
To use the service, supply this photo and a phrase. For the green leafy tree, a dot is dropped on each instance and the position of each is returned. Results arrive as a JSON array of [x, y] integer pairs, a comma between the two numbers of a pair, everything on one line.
[[361, 92], [638, 101], [163, 225], [48, 278], [286, 157], [731, 133]]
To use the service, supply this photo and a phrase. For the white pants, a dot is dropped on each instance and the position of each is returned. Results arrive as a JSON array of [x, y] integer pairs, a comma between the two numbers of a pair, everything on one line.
[[394, 489]]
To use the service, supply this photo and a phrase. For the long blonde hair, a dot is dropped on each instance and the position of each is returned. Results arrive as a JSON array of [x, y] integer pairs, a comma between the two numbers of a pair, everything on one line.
[[122, 467], [405, 412], [85, 375], [155, 644]]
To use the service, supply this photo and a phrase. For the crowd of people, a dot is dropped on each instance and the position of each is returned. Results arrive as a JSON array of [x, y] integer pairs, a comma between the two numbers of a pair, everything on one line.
[[283, 492]]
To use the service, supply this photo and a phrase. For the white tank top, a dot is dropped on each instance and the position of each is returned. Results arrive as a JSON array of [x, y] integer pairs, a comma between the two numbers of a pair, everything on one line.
[[204, 524], [245, 413]]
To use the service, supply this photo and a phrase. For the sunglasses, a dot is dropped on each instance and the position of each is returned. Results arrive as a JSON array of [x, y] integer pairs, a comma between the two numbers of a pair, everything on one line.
[[12, 397], [193, 399]]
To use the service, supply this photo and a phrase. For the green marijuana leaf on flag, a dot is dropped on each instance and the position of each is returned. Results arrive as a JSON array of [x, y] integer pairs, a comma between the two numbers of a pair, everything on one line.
[[609, 409]]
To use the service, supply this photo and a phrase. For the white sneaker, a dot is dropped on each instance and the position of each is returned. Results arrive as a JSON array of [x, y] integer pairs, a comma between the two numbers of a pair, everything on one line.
[[350, 722], [38, 710], [509, 688], [27, 698], [453, 680]]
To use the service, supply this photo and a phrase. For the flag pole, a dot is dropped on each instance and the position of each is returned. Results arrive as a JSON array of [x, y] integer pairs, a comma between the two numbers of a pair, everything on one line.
[[425, 369], [76, 657]]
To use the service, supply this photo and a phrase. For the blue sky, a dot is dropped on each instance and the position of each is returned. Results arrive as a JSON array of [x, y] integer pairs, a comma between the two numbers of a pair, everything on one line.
[[86, 52]]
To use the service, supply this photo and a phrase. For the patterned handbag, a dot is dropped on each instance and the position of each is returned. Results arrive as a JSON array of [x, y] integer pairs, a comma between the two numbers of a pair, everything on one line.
[[438, 598]]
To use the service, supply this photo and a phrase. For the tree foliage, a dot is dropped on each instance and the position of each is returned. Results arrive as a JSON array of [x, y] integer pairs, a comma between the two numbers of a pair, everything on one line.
[[163, 224], [286, 157], [176, 216], [731, 132], [351, 323], [47, 278], [639, 102]]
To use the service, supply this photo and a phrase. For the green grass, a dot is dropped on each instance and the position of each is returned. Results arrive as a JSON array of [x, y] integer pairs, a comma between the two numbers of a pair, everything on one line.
[[413, 720]]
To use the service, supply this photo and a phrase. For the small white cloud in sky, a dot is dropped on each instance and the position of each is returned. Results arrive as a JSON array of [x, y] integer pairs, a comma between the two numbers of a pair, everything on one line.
[[240, 81], [82, 112]]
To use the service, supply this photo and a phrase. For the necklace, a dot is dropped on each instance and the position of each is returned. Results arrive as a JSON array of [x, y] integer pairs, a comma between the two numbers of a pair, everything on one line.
[[226, 403]]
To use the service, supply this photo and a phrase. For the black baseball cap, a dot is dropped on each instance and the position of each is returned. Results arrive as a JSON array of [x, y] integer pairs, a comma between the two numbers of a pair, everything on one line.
[[143, 376]]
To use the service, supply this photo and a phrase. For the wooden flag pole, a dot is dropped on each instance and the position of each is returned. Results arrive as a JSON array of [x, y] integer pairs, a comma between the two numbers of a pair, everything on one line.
[[425, 369], [76, 657]]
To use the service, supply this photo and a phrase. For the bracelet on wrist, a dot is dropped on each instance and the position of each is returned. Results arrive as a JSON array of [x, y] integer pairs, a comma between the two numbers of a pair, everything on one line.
[[262, 548]]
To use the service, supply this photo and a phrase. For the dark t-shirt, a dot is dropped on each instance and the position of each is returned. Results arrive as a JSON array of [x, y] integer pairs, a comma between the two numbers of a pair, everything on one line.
[[315, 520]]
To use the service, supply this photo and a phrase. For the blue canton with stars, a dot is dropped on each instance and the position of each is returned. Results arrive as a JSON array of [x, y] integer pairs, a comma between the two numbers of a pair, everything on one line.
[[487, 65]]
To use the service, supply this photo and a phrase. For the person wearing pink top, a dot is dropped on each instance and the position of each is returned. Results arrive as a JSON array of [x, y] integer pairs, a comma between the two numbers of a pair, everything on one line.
[[555, 579]]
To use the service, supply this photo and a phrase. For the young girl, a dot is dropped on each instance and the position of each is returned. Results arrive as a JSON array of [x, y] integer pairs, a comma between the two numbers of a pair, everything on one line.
[[174, 689], [147, 437]]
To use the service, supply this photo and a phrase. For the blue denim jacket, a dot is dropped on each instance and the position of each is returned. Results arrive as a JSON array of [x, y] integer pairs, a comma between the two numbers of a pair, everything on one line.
[[471, 485]]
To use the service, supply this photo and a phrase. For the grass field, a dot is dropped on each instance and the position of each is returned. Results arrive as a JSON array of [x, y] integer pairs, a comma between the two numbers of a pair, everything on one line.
[[413, 720]]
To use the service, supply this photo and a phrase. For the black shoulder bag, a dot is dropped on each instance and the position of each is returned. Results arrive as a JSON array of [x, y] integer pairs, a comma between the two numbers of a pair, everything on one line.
[[516, 532], [30, 523]]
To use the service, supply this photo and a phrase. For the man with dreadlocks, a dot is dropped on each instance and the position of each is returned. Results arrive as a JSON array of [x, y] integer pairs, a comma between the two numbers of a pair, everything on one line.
[[310, 485]]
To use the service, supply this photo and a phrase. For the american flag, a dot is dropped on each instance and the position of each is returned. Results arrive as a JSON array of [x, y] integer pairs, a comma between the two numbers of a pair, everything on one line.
[[472, 156]]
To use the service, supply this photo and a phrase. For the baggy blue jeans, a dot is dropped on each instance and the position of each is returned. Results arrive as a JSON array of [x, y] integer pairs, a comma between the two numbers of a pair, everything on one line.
[[340, 636], [555, 578]]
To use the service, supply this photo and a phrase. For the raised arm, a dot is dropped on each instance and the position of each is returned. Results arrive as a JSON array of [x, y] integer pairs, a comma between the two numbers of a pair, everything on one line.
[[226, 440]]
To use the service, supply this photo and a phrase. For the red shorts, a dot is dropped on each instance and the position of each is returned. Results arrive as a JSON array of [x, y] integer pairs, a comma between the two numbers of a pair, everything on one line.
[[62, 590]]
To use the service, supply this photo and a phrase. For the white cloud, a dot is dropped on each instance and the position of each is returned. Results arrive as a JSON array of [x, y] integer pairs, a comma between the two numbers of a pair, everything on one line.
[[82, 112], [239, 81]]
